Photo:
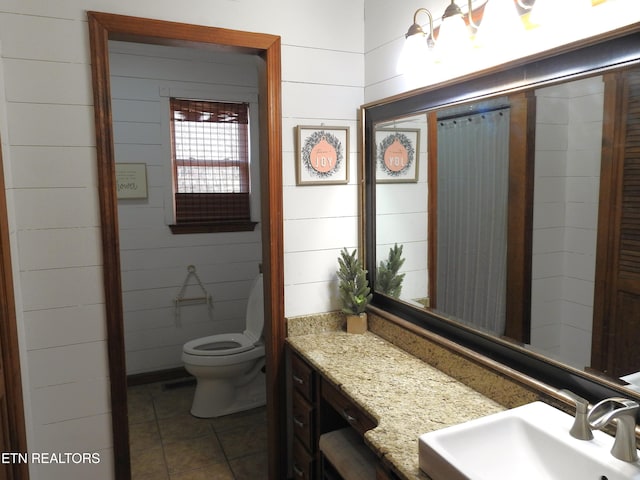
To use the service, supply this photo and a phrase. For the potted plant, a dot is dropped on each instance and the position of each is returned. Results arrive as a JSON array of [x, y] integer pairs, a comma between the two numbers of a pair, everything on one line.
[[388, 281], [354, 291]]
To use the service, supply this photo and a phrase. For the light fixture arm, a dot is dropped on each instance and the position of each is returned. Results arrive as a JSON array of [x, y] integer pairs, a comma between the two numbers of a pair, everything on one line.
[[470, 15], [416, 28]]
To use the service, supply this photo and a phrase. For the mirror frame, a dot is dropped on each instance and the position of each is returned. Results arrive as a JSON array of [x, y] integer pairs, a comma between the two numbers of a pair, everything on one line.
[[596, 55]]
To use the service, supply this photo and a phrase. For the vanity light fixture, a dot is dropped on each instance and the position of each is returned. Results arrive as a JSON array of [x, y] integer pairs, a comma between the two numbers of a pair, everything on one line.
[[501, 26], [454, 38], [418, 45]]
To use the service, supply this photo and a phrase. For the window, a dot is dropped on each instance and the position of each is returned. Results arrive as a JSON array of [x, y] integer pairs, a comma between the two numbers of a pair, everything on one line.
[[210, 153]]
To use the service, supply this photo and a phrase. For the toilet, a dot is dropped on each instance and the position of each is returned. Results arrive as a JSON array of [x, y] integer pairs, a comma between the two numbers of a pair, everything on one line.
[[229, 367]]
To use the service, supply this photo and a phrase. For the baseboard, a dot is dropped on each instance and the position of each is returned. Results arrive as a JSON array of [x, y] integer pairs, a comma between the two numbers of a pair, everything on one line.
[[157, 376]]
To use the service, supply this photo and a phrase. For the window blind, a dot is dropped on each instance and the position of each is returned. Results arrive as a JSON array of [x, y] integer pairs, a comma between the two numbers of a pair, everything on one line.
[[210, 143]]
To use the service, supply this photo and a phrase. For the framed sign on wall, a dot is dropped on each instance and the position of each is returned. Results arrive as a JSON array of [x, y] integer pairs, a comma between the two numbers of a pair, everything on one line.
[[322, 155], [131, 180]]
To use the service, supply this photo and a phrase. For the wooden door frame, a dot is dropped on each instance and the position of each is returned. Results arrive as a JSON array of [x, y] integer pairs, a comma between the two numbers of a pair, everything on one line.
[[104, 27], [609, 282], [522, 128], [611, 168], [10, 362]]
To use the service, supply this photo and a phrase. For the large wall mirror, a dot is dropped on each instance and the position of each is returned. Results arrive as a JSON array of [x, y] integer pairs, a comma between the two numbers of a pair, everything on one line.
[[503, 211]]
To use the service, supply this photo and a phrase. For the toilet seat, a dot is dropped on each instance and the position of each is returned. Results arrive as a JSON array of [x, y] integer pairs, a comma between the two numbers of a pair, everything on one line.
[[219, 345], [225, 344]]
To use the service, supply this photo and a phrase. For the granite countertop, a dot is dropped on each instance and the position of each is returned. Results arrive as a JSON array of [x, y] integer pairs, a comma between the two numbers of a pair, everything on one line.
[[406, 396]]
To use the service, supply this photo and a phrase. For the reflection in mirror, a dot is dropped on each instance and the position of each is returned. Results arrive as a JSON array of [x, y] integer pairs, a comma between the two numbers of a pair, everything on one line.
[[451, 187], [401, 203], [472, 187], [472, 236], [469, 164], [569, 122]]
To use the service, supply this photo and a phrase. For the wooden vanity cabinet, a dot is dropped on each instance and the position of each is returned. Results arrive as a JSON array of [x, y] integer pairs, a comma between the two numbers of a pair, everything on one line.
[[304, 420], [317, 407], [311, 417]]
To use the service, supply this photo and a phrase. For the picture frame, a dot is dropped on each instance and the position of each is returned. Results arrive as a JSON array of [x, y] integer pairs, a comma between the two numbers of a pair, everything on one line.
[[131, 180], [322, 155], [397, 155]]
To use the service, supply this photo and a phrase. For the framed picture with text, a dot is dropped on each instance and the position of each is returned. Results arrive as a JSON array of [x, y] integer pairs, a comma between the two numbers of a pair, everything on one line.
[[131, 180], [397, 155], [322, 155]]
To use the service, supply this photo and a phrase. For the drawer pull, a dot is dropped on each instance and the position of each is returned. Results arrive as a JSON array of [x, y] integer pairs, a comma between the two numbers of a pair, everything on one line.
[[298, 422], [348, 417], [297, 471], [298, 380]]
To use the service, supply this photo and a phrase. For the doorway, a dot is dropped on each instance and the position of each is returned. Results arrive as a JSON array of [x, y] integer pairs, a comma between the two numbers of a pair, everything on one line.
[[104, 27]]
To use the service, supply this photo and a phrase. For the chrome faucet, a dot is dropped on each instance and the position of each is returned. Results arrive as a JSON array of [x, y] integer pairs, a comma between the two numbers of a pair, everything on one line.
[[623, 411], [580, 429]]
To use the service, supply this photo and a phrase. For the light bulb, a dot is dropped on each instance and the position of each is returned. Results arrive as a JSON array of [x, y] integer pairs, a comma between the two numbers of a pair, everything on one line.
[[453, 40], [501, 26], [415, 55]]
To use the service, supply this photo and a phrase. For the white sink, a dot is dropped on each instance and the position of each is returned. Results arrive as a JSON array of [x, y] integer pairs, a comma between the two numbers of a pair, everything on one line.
[[528, 442]]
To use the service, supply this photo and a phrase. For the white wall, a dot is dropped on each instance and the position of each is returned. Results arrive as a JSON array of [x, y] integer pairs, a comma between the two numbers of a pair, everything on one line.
[[567, 179], [401, 216], [49, 157], [153, 260], [51, 179]]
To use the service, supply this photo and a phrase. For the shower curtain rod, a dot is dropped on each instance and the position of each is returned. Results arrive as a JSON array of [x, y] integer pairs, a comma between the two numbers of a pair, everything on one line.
[[477, 112]]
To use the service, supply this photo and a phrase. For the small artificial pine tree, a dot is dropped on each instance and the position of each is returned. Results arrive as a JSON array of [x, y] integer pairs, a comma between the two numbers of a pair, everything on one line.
[[353, 285], [388, 281]]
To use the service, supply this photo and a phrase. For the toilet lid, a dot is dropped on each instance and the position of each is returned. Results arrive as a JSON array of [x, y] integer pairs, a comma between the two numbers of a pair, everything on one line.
[[214, 345], [255, 311]]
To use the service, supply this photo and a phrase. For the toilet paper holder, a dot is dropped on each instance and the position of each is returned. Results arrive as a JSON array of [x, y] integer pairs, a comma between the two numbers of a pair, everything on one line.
[[180, 299]]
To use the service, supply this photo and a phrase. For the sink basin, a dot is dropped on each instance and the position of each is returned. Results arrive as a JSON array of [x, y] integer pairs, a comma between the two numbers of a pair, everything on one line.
[[528, 442]]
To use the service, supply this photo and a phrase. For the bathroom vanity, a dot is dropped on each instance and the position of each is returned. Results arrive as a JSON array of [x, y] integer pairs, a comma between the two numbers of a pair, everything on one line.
[[392, 386], [388, 395]]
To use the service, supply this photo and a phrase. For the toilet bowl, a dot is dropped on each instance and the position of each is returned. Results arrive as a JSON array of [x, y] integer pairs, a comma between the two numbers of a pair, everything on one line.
[[229, 367]]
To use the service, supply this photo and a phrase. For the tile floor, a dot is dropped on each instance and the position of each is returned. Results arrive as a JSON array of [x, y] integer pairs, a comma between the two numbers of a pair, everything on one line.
[[167, 443]]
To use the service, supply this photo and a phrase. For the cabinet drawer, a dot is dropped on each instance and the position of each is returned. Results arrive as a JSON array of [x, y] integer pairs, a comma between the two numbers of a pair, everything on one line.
[[302, 377], [303, 463], [360, 421], [303, 421]]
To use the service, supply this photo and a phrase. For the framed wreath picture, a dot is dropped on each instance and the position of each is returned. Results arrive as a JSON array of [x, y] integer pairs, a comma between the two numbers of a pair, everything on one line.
[[322, 155], [397, 155]]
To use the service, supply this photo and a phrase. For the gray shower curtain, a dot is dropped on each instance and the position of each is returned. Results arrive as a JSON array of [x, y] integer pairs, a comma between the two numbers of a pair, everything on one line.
[[473, 174]]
